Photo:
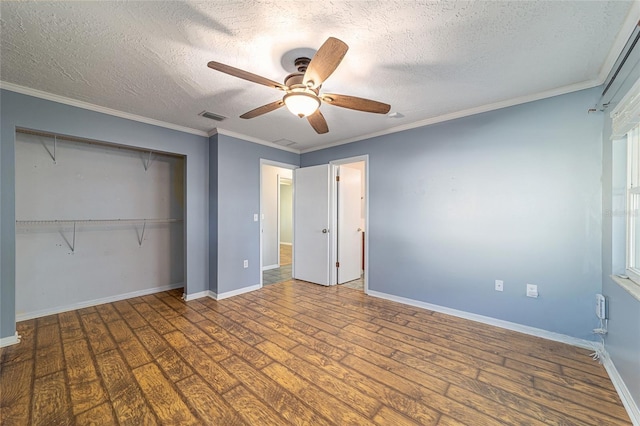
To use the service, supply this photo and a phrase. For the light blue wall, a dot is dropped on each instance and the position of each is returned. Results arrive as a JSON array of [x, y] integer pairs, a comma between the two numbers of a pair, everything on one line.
[[238, 200], [17, 110], [513, 194], [623, 340]]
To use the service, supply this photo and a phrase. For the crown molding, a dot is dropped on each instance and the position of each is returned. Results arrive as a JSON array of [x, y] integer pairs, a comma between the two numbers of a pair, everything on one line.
[[466, 112], [97, 108], [251, 139], [421, 123]]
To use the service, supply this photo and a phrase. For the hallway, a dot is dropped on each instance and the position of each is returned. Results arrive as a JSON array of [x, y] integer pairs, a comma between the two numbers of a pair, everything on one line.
[[283, 273]]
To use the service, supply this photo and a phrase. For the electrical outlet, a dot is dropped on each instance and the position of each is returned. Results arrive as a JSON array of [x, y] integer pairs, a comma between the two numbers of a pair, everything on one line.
[[499, 285], [245, 263], [532, 290]]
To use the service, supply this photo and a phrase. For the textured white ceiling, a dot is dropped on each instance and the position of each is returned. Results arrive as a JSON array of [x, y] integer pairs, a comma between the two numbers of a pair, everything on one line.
[[426, 59]]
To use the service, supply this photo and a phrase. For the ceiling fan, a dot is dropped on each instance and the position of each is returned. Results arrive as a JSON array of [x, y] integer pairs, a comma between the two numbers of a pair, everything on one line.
[[303, 97]]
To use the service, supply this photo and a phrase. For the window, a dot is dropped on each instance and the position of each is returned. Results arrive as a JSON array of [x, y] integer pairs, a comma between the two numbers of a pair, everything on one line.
[[633, 204], [625, 122]]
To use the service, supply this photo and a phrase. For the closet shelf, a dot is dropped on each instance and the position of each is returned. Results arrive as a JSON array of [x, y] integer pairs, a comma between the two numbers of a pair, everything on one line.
[[146, 155], [74, 222]]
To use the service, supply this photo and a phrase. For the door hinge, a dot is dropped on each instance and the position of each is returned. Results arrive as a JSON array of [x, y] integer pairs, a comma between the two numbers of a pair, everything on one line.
[[337, 264], [337, 178]]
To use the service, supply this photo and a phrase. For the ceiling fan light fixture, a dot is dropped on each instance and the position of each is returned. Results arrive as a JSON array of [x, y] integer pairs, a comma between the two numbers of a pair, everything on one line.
[[301, 104]]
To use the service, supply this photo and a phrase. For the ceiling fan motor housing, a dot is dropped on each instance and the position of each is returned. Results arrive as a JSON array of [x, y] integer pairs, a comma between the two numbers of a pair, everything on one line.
[[301, 64], [294, 82]]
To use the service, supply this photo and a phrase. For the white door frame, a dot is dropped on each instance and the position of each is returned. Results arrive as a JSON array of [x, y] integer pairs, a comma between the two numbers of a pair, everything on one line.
[[264, 162], [334, 218], [333, 201]]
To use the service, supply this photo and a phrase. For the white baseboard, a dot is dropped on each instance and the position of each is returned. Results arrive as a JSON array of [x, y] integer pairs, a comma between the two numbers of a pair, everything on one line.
[[194, 296], [533, 331], [236, 292], [623, 391], [10, 340], [85, 304], [215, 296], [274, 266]]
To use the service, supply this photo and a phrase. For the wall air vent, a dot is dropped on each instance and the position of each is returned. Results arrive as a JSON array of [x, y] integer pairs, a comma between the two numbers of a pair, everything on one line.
[[212, 116]]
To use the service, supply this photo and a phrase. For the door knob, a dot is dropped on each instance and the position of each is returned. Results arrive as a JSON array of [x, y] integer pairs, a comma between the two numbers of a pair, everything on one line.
[[325, 230]]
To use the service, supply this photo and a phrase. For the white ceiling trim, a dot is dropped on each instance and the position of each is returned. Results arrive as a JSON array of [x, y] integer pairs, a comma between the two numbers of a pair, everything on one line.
[[97, 108], [252, 139], [433, 120], [467, 112], [630, 23], [446, 47]]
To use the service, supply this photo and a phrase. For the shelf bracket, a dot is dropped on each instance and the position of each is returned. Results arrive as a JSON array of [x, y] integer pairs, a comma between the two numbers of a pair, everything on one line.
[[146, 162], [72, 244], [51, 154], [141, 235]]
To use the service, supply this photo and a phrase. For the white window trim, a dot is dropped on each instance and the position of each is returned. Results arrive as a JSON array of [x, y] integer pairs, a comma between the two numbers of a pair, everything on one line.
[[633, 195], [628, 285]]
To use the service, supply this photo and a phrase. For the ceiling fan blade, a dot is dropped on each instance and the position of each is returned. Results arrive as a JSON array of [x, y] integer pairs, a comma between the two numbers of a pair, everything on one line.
[[324, 62], [318, 122], [246, 75], [263, 109], [359, 104]]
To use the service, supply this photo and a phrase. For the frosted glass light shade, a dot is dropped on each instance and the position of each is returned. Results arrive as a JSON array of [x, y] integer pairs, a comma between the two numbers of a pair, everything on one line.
[[301, 104]]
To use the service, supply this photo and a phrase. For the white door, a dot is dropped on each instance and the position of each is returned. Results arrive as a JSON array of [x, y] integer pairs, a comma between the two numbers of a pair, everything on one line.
[[349, 222], [311, 224]]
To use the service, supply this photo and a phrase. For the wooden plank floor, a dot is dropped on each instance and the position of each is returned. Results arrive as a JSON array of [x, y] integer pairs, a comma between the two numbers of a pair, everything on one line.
[[292, 353], [285, 254]]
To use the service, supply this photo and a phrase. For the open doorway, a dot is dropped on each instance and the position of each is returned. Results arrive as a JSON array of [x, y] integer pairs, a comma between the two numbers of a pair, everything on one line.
[[276, 222], [351, 221], [330, 222]]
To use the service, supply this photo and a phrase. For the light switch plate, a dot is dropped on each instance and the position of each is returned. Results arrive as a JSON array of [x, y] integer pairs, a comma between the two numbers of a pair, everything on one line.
[[532, 290], [255, 217], [499, 285]]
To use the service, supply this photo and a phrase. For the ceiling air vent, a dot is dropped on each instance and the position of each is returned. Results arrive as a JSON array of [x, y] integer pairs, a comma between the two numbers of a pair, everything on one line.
[[212, 116], [285, 142]]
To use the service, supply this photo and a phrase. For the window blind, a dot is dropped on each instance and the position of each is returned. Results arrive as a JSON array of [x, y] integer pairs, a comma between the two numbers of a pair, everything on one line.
[[626, 115]]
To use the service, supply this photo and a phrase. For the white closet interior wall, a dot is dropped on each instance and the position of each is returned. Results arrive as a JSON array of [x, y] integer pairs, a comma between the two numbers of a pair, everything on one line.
[[90, 186]]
